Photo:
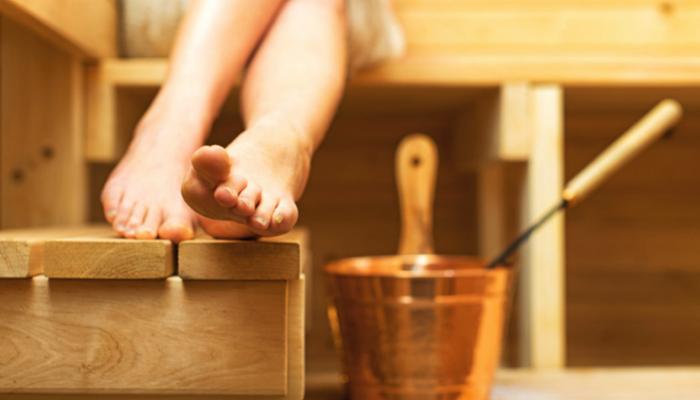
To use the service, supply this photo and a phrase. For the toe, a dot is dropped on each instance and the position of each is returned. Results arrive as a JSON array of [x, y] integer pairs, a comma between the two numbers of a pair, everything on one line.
[[135, 220], [212, 164], [260, 220], [226, 194], [284, 217], [176, 226], [149, 228], [111, 197], [248, 200], [199, 197], [123, 214]]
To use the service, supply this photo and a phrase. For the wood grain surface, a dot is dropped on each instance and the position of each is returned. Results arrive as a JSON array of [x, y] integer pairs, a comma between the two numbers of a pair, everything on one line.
[[87, 28], [107, 257], [274, 258], [149, 337], [22, 250]]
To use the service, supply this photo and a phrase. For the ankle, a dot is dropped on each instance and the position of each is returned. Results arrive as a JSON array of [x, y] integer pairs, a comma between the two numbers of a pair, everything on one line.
[[284, 132], [169, 122]]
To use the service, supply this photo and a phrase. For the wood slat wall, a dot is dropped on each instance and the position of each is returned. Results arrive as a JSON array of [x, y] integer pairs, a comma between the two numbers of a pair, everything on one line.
[[632, 247], [42, 170]]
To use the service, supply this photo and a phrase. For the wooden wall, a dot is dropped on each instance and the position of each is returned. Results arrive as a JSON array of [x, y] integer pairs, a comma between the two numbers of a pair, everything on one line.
[[633, 260], [41, 156]]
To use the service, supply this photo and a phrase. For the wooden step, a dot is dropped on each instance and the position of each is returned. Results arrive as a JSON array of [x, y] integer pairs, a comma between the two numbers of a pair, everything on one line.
[[95, 252], [125, 323]]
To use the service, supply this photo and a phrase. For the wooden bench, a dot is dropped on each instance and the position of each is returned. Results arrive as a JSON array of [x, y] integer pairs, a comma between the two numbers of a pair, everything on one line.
[[82, 312]]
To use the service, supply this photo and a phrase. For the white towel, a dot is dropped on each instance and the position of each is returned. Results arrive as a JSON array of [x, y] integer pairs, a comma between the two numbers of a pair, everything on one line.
[[147, 29]]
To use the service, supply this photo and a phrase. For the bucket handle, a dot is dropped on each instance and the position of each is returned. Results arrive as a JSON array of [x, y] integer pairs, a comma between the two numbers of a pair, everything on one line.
[[416, 171]]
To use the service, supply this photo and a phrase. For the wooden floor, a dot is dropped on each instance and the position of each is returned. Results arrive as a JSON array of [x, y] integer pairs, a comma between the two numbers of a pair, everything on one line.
[[572, 384]]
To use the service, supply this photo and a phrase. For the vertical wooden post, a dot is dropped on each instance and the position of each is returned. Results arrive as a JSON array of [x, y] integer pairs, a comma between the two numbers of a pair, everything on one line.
[[100, 109], [542, 323]]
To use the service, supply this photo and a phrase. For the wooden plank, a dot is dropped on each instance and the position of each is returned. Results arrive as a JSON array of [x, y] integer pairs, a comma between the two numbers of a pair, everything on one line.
[[478, 69], [271, 258], [21, 250], [495, 128], [101, 112], [145, 337], [599, 384], [104, 256], [88, 28], [542, 326], [556, 27], [296, 354], [43, 173]]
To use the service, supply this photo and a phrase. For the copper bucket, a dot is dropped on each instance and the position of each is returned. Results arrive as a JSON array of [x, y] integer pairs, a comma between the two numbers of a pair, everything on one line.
[[418, 325]]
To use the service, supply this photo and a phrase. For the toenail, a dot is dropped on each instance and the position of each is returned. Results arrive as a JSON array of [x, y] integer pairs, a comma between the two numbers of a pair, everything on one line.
[[244, 202], [261, 220], [278, 218], [130, 231], [111, 213], [121, 227], [230, 192], [145, 231]]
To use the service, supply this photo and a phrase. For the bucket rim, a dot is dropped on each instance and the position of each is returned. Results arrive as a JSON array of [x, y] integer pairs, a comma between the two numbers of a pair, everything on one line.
[[404, 266]]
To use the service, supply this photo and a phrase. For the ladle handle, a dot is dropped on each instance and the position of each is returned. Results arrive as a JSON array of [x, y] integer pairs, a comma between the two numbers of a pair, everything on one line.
[[652, 126], [416, 170]]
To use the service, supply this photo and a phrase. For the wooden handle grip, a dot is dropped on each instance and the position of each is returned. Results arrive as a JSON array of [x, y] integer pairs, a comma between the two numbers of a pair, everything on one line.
[[416, 170], [652, 126]]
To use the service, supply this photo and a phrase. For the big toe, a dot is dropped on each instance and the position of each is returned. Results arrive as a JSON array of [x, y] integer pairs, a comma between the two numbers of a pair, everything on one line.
[[212, 164]]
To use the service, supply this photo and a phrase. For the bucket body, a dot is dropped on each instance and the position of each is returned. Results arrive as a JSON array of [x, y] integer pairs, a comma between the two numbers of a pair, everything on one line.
[[418, 327]]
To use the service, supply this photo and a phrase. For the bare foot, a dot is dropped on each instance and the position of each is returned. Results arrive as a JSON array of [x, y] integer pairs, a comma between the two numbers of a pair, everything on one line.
[[249, 188], [142, 195]]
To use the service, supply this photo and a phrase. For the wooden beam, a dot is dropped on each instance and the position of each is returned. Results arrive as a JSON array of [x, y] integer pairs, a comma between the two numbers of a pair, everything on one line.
[[22, 250], [542, 323], [169, 337], [296, 351], [206, 258], [87, 28], [101, 138], [475, 69], [495, 128], [104, 256]]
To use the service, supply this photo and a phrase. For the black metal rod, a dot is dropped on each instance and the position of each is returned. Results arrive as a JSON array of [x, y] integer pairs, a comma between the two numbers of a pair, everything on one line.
[[515, 244]]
